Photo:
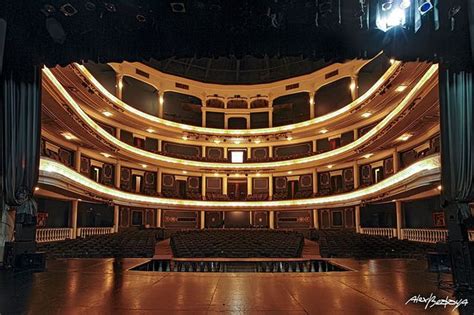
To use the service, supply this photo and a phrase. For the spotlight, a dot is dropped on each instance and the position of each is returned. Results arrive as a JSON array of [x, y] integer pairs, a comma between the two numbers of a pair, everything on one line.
[[141, 18], [387, 5], [48, 9], [405, 4], [390, 15], [90, 6], [110, 7], [178, 7], [68, 10], [425, 7]]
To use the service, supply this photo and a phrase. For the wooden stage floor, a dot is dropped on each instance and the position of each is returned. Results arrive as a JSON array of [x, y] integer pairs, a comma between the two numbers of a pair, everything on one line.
[[106, 286]]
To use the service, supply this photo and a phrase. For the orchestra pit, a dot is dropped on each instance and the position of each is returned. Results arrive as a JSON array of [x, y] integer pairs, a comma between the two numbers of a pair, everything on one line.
[[200, 157]]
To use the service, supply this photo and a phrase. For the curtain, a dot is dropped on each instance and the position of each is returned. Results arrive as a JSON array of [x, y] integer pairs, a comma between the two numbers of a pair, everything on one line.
[[21, 135]]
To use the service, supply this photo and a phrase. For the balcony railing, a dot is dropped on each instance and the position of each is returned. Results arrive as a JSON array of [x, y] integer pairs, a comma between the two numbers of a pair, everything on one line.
[[387, 232], [53, 234], [425, 235], [89, 231]]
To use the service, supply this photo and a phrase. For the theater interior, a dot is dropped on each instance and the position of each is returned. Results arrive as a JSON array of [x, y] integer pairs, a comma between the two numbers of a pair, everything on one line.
[[276, 156]]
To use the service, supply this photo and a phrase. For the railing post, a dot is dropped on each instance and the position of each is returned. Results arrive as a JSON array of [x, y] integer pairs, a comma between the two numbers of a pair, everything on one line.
[[74, 207]]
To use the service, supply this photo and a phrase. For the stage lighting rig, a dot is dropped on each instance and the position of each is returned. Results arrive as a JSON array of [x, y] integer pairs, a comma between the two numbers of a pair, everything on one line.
[[392, 13]]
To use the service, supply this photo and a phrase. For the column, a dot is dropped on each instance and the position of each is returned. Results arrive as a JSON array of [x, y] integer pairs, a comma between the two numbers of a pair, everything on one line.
[[270, 187], [398, 209], [270, 118], [396, 160], [158, 182], [118, 85], [357, 218], [203, 188], [118, 167], [160, 104], [251, 218], [74, 206], [203, 117], [116, 218], [270, 151], [356, 175], [354, 87], [316, 219], [315, 181], [249, 185], [117, 132], [271, 219], [224, 185], [247, 119], [202, 226], [77, 160], [158, 217], [315, 146]]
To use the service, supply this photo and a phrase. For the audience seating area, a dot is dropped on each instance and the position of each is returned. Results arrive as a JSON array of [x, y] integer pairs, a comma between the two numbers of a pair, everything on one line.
[[349, 244], [238, 243], [126, 244]]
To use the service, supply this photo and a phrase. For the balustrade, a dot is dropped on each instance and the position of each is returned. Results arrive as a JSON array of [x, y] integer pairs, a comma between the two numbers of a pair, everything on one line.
[[425, 235], [89, 231], [53, 234], [387, 232]]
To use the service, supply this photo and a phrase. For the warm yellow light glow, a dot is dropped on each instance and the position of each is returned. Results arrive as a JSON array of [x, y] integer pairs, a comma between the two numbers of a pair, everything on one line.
[[120, 84], [257, 141], [392, 61], [237, 132], [107, 113], [289, 138], [366, 115], [105, 154], [216, 174], [368, 155], [52, 170], [37, 188], [439, 187], [184, 137], [405, 137], [217, 141], [323, 131], [139, 153], [144, 165], [68, 136], [352, 86], [290, 172], [162, 100], [185, 172], [150, 130], [258, 174], [401, 88]]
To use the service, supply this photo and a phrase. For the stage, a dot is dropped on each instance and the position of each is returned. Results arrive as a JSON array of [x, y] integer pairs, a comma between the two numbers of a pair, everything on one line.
[[105, 286]]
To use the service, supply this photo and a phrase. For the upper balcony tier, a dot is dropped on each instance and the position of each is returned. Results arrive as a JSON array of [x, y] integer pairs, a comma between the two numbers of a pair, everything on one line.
[[411, 108], [314, 106]]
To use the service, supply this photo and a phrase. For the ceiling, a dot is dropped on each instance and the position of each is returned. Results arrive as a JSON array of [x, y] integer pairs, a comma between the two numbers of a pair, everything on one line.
[[287, 31]]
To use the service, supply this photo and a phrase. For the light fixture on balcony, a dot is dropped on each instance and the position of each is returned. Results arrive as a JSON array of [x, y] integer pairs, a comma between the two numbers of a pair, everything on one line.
[[257, 141], [368, 155], [150, 130], [162, 100], [401, 88], [184, 138], [107, 113], [405, 137], [439, 187], [105, 154], [392, 61], [68, 136], [323, 131], [366, 115], [352, 86], [217, 141], [144, 165], [37, 188], [290, 172], [185, 172], [330, 166], [289, 138]]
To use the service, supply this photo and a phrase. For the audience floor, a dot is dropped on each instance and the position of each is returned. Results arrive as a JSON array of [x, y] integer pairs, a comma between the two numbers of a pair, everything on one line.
[[105, 286]]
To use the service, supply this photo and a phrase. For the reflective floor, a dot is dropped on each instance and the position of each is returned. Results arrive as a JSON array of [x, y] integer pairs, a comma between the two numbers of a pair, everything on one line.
[[105, 286]]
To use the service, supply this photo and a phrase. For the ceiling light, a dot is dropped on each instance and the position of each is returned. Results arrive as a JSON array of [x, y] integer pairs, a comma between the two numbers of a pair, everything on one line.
[[184, 137], [290, 172], [400, 88], [368, 155], [150, 130], [106, 154], [289, 138], [405, 137], [217, 141], [144, 165], [366, 115], [68, 136], [185, 172], [258, 174], [107, 114], [323, 131], [37, 188], [330, 166], [237, 141], [257, 141]]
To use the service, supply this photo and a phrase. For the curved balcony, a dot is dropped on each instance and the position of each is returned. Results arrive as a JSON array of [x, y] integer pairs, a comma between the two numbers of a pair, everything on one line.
[[83, 77], [406, 109], [423, 173]]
